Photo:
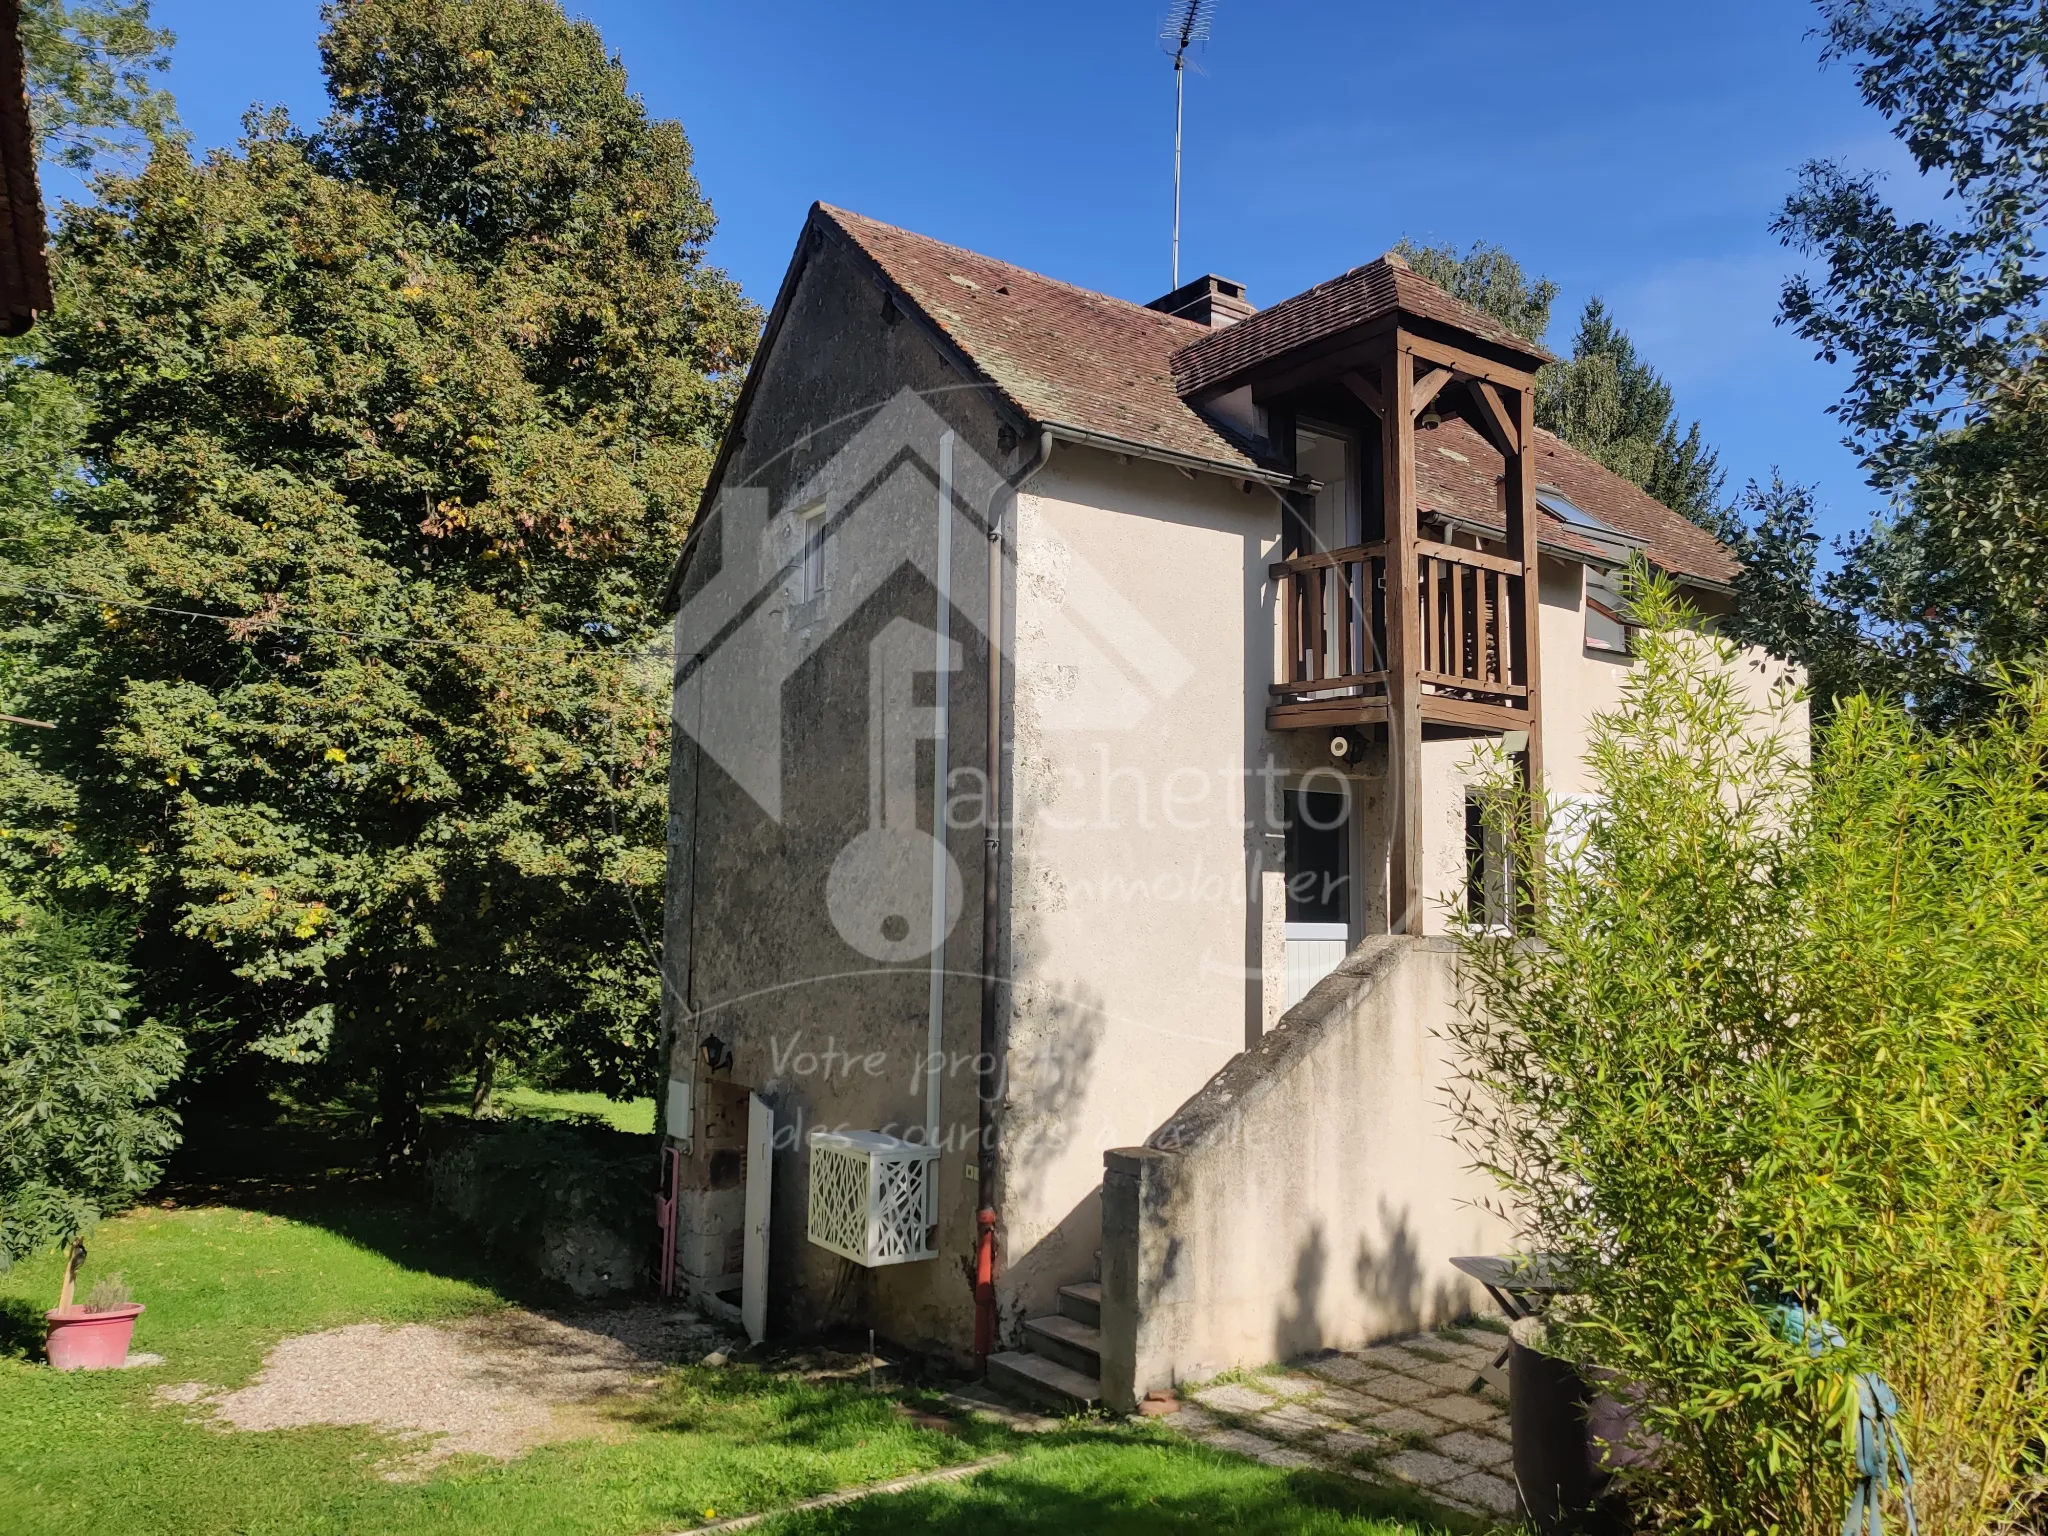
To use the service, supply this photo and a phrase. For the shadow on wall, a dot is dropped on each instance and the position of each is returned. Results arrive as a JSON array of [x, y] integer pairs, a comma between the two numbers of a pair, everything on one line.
[[1388, 1275], [1048, 1084], [1391, 1275]]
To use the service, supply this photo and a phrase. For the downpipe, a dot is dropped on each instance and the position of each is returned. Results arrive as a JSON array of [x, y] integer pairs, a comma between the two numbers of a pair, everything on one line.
[[985, 1222]]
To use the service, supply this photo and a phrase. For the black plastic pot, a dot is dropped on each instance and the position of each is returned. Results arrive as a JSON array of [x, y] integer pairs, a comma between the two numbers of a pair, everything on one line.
[[1557, 1462]]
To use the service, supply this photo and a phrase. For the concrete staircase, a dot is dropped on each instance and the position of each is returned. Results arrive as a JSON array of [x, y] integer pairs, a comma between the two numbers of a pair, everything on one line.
[[1060, 1366]]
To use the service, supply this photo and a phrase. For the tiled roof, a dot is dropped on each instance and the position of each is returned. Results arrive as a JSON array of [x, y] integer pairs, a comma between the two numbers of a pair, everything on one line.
[[1457, 471], [1067, 357], [1063, 355], [1360, 296]]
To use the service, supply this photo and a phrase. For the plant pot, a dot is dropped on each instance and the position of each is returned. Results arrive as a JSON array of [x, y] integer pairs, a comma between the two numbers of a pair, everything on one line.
[[1558, 1464], [90, 1341]]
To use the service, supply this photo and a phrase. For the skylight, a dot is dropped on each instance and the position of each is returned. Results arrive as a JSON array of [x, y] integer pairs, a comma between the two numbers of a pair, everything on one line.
[[1558, 506]]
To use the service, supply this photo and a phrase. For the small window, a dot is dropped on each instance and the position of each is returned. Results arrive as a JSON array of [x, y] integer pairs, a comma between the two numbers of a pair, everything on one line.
[[1606, 629], [1489, 869], [811, 524]]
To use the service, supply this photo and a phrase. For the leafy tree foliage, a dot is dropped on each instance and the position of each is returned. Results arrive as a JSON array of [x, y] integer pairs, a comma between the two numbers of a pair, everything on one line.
[[90, 72], [1941, 325], [392, 429], [1604, 400], [1490, 280], [1773, 1034], [81, 1132]]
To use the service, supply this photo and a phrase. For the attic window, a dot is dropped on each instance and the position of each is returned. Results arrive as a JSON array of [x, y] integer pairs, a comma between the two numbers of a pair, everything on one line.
[[1603, 536], [1607, 630]]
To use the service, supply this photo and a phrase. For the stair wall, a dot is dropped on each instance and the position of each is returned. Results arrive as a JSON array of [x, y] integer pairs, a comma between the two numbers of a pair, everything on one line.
[[1308, 1197]]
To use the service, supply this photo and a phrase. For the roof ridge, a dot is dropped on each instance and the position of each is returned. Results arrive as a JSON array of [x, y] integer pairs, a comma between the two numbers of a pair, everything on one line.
[[841, 214]]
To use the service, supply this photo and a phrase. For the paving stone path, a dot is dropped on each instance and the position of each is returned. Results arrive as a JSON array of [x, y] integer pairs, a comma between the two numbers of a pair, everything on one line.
[[1395, 1413]]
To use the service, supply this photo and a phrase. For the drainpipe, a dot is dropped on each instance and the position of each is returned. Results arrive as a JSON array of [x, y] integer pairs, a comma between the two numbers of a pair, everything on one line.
[[991, 922], [942, 724]]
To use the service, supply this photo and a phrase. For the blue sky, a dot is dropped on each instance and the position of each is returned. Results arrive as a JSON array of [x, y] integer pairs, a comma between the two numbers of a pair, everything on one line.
[[1632, 151]]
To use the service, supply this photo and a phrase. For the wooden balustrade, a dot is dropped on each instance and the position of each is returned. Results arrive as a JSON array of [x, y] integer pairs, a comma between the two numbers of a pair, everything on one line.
[[1468, 601], [1333, 625]]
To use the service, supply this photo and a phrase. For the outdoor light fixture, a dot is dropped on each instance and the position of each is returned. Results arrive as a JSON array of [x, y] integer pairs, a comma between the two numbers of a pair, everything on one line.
[[716, 1053]]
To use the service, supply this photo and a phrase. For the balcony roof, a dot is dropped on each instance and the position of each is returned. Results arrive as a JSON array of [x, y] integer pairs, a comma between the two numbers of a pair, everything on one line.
[[1327, 312]]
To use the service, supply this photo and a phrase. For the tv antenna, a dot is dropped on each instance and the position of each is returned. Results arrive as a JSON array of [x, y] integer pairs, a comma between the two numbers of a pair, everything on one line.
[[1186, 24]]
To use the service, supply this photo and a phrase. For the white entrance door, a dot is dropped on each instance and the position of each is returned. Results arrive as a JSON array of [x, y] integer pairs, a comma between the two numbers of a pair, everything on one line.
[[754, 1263], [1318, 887]]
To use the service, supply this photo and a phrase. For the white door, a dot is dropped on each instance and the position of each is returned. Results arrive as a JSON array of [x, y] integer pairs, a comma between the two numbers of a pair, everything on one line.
[[1318, 887], [754, 1263]]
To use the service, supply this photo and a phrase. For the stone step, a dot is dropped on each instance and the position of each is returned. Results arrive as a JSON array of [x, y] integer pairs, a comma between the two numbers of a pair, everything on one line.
[[1075, 1345], [1045, 1382], [1083, 1303]]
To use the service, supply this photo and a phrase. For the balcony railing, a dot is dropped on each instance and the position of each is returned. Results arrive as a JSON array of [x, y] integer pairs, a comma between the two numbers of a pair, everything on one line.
[[1333, 625]]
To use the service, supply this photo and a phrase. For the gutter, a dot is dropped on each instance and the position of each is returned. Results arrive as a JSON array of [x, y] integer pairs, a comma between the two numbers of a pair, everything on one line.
[[1082, 437], [991, 1073]]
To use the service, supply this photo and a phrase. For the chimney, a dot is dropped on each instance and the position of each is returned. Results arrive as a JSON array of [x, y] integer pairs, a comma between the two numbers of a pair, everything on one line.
[[1209, 300]]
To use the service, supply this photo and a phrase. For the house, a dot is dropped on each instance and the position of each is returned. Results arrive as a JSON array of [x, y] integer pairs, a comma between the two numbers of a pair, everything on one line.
[[1068, 801]]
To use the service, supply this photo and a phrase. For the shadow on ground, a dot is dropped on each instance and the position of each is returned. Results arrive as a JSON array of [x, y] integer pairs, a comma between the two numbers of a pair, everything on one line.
[[319, 1167], [21, 1329], [1088, 1484]]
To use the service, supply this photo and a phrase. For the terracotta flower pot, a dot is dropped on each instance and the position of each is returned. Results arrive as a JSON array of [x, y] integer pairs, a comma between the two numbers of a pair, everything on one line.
[[90, 1341]]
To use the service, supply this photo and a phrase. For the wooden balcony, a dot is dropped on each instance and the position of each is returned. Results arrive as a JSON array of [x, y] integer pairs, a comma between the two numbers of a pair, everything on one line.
[[1471, 669]]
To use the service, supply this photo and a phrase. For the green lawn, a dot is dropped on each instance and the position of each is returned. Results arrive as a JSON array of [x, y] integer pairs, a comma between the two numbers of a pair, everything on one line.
[[99, 1452], [634, 1115]]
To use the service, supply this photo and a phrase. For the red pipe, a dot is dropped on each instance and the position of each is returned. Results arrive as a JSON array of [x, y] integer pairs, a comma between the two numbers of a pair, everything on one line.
[[984, 1285]]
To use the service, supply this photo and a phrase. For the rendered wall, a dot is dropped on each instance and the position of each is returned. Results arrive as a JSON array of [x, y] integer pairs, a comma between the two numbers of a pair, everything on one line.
[[1142, 764], [1308, 1197]]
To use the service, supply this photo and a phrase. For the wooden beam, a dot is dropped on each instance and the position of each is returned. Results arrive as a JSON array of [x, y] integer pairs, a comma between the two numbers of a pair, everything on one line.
[[1438, 710], [1325, 714], [1478, 559], [1495, 414], [1522, 529], [1361, 386], [1404, 644], [1428, 387], [1329, 684], [1460, 361]]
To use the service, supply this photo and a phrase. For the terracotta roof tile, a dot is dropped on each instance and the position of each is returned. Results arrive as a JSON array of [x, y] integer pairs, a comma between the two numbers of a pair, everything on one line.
[[1065, 356], [1360, 296], [1457, 471]]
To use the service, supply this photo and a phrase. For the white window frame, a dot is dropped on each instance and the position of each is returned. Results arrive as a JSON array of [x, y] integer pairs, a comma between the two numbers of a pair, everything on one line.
[[810, 525]]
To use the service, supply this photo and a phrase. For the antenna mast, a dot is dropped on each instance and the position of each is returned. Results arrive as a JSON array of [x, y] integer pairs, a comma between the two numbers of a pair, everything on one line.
[[1186, 24]]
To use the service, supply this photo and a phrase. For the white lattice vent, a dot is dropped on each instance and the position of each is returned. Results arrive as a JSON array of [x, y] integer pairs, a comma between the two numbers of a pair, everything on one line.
[[871, 1196]]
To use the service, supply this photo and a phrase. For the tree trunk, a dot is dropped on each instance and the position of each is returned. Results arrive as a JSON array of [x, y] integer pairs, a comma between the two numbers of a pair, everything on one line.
[[70, 1285], [398, 1110], [485, 1065]]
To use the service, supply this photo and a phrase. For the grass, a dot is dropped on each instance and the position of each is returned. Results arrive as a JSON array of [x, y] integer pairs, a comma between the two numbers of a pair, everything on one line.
[[93, 1452], [634, 1115]]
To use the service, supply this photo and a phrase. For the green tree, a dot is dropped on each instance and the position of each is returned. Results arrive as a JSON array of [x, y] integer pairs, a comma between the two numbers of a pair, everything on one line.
[[1614, 407], [81, 1133], [393, 429], [1604, 400], [90, 72], [1941, 326], [1490, 280]]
